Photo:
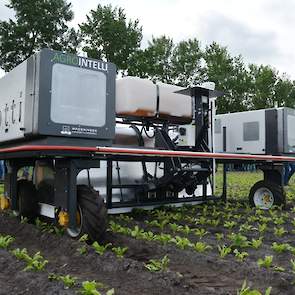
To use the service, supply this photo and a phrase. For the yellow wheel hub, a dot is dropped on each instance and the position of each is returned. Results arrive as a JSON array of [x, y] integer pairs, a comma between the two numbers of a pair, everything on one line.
[[4, 203], [266, 198], [64, 219]]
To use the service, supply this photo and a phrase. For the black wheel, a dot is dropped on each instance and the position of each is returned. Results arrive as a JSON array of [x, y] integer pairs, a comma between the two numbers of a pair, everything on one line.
[[91, 215], [27, 200], [265, 195]]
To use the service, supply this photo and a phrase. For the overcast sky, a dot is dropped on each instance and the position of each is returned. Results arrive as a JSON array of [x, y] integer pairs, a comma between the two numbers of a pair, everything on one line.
[[261, 31]]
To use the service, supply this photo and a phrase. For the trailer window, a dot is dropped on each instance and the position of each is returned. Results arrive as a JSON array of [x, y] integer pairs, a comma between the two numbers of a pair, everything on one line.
[[78, 96], [251, 131], [217, 127], [290, 130]]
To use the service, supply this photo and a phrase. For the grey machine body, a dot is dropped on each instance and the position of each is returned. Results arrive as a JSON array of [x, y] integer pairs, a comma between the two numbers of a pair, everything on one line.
[[267, 131], [57, 98]]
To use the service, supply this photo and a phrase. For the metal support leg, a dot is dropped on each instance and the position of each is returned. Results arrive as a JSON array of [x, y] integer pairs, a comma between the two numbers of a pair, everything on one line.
[[10, 184], [65, 188], [273, 173], [224, 184], [72, 195], [224, 187], [109, 184]]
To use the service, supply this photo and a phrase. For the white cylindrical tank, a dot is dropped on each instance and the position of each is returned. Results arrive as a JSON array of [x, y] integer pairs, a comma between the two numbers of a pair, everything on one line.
[[174, 106], [136, 97], [142, 98]]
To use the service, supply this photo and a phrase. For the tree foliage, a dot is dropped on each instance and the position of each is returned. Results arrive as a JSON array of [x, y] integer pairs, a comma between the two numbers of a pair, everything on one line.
[[38, 24], [108, 35], [167, 62]]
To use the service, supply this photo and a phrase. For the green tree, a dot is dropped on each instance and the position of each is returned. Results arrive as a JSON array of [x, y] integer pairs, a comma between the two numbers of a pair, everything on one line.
[[38, 24], [186, 63], [108, 35], [263, 80], [230, 75], [284, 92], [154, 62], [167, 62]]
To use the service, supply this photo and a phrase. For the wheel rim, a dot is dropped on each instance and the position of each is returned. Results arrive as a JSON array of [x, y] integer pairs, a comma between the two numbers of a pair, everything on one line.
[[74, 233], [263, 198]]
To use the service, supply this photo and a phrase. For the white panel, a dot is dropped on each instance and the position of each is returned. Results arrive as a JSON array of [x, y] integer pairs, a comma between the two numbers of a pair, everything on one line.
[[235, 142], [12, 98], [78, 96]]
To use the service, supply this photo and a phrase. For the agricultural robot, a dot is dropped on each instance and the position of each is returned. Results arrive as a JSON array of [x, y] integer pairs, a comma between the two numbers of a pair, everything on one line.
[[96, 145]]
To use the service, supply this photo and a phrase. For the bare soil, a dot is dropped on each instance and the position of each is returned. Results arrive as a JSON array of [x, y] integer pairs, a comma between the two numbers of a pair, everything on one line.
[[189, 272]]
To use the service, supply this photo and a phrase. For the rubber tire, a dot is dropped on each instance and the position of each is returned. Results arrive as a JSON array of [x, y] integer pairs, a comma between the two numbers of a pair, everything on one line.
[[27, 199], [277, 191], [94, 213]]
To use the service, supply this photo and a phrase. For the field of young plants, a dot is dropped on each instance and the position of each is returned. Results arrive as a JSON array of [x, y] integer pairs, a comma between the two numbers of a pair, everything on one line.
[[205, 249]]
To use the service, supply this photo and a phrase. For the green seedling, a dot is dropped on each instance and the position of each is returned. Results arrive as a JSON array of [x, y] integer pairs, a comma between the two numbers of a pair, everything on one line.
[[237, 216], [279, 231], [202, 220], [136, 232], [293, 265], [82, 250], [256, 243], [186, 230], [219, 236], [230, 224], [163, 238], [279, 221], [35, 263], [115, 227], [238, 240], [84, 238], [200, 232], [49, 228], [24, 220], [120, 251], [252, 218], [262, 227], [67, 280], [201, 247], [175, 227], [259, 212], [90, 288], [213, 222], [245, 227], [100, 249], [265, 219], [158, 224], [125, 218], [5, 241], [155, 265], [241, 256], [273, 213], [280, 248], [20, 254], [266, 262], [278, 268], [245, 290], [182, 243], [176, 217], [224, 251], [148, 235]]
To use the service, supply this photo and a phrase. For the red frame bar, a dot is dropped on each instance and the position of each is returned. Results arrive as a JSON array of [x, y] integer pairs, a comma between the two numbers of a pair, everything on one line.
[[148, 152]]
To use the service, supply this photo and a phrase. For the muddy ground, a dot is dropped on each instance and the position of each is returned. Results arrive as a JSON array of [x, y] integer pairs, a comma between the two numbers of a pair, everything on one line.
[[189, 272]]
